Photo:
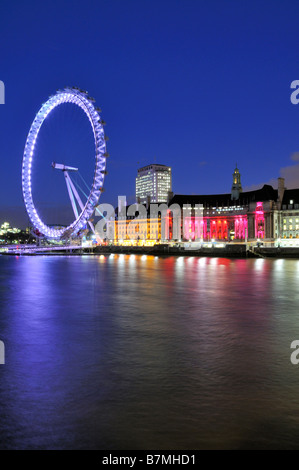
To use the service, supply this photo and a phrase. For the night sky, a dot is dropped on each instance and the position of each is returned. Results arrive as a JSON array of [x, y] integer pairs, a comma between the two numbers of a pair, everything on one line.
[[196, 85]]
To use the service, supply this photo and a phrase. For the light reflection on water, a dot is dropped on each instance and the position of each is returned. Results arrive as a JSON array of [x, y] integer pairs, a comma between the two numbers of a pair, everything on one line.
[[141, 352]]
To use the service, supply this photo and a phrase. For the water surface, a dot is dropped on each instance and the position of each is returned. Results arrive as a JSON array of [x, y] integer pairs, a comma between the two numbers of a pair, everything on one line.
[[142, 352]]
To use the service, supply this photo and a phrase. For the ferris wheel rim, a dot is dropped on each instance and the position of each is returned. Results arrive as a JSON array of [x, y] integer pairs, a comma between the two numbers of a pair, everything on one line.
[[86, 103]]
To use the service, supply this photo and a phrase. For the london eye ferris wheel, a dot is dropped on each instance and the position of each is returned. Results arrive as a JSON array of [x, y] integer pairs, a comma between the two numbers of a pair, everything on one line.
[[82, 211]]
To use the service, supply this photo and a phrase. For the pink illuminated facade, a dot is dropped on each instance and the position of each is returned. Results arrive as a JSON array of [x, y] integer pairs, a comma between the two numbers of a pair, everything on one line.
[[222, 228], [259, 221], [243, 223], [238, 215]]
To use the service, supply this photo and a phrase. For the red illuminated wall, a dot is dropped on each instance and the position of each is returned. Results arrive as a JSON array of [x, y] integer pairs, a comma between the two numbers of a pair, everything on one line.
[[193, 228], [217, 228], [259, 221]]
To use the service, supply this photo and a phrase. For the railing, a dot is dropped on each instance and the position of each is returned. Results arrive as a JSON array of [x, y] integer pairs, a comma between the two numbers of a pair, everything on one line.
[[25, 249]]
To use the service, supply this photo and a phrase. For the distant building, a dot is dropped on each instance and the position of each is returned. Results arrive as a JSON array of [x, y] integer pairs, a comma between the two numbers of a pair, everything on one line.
[[12, 235], [153, 184]]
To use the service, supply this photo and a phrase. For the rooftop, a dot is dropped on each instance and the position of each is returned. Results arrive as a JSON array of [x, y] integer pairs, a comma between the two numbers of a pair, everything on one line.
[[266, 193]]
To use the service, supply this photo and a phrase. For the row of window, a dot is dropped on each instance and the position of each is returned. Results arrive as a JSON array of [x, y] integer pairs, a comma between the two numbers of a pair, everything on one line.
[[290, 206], [291, 227], [290, 221]]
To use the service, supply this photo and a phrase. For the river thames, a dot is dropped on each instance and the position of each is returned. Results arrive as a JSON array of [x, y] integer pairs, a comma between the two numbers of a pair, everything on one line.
[[142, 352]]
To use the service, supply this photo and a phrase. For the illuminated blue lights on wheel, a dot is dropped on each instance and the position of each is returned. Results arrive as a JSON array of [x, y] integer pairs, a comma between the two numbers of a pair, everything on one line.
[[79, 98]]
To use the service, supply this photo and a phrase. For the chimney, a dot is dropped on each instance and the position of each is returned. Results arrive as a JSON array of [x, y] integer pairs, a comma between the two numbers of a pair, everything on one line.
[[169, 196], [281, 189]]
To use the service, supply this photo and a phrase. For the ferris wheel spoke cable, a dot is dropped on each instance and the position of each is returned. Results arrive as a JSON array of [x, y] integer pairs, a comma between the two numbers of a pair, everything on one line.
[[97, 209], [83, 180], [84, 193]]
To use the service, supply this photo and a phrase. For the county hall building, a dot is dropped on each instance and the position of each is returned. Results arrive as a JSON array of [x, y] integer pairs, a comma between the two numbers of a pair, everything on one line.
[[266, 214]]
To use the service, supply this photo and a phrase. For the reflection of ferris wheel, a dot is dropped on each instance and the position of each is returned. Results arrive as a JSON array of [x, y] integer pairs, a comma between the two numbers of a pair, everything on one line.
[[82, 216]]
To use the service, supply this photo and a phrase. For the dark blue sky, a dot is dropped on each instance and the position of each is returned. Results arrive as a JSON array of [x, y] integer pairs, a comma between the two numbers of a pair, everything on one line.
[[197, 85]]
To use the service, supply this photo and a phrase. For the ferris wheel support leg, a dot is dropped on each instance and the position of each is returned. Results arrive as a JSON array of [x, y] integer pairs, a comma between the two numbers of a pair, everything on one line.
[[75, 192], [67, 178]]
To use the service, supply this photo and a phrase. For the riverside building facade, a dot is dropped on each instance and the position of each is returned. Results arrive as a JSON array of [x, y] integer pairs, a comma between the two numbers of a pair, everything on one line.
[[265, 215]]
